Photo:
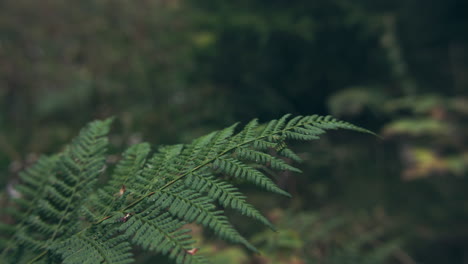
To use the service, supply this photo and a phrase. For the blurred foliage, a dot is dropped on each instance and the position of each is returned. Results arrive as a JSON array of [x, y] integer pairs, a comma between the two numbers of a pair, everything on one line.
[[399, 68], [323, 238], [353, 101]]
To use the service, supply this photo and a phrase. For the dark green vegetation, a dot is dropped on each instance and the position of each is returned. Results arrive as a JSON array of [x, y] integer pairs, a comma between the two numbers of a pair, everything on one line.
[[61, 217], [173, 70]]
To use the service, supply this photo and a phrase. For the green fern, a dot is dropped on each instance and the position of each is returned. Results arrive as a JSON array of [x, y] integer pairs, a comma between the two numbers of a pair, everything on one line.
[[63, 217]]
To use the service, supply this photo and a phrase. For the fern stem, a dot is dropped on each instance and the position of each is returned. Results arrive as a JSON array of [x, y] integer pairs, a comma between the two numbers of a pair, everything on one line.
[[38, 257]]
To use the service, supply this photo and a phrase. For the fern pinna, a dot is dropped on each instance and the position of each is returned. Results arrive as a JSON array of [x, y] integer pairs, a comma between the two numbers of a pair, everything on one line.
[[63, 216]]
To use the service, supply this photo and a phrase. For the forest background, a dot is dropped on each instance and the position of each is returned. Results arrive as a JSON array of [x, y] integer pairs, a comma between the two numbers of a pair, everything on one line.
[[172, 70]]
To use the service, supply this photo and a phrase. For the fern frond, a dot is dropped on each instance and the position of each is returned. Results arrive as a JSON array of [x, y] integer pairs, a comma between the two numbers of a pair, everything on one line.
[[122, 183], [226, 194], [56, 199], [149, 199], [162, 233], [238, 156], [34, 180], [248, 133], [130, 165], [329, 122], [160, 168], [220, 141], [265, 159], [192, 206], [236, 168], [288, 153], [94, 247], [281, 123]]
